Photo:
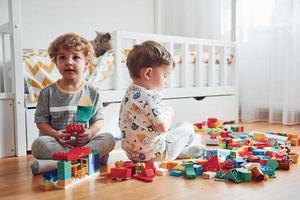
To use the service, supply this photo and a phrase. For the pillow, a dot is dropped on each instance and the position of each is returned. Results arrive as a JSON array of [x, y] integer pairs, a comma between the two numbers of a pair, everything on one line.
[[101, 68], [39, 73]]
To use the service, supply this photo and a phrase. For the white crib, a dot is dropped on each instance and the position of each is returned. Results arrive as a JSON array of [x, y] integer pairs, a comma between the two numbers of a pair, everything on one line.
[[205, 70]]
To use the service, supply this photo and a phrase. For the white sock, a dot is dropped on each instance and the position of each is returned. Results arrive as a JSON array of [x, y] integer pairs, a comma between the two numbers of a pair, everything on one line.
[[41, 166], [191, 150]]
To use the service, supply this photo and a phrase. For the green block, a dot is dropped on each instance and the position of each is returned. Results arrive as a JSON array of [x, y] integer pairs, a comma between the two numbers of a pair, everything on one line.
[[84, 113], [234, 176], [273, 164], [189, 170], [220, 174], [246, 175], [222, 145], [95, 151], [63, 164]]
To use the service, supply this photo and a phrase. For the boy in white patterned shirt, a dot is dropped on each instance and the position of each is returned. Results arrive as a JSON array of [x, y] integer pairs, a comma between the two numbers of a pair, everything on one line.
[[144, 122]]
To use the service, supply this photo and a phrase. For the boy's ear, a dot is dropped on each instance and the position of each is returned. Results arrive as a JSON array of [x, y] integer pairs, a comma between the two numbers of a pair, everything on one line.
[[147, 72]]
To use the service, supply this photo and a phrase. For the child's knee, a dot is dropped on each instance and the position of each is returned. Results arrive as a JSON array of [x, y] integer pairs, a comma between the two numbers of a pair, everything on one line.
[[43, 147], [109, 138]]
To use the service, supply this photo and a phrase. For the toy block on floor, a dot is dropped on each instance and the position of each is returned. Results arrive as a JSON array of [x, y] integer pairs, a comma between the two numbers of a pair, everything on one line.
[[176, 173], [46, 185], [209, 175], [189, 170], [120, 173], [234, 176]]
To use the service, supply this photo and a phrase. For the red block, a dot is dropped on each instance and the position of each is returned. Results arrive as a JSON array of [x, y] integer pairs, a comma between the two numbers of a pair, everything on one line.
[[198, 125], [120, 173]]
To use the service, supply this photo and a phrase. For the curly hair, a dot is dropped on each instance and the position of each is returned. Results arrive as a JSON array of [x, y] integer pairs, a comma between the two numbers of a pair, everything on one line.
[[74, 42], [147, 54]]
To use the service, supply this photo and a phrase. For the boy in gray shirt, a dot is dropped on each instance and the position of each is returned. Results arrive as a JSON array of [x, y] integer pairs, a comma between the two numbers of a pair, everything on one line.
[[58, 103]]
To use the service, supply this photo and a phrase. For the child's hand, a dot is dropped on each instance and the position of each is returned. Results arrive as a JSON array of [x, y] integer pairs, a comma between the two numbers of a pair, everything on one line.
[[169, 113], [84, 137], [63, 138]]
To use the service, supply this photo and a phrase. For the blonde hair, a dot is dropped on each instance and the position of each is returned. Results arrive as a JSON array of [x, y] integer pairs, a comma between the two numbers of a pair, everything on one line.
[[147, 54], [74, 42]]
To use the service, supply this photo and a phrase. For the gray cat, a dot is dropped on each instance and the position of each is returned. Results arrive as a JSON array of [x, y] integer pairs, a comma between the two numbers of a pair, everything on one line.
[[102, 43]]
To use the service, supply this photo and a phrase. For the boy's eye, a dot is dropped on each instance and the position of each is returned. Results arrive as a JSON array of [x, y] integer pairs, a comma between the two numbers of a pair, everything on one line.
[[76, 57], [61, 57]]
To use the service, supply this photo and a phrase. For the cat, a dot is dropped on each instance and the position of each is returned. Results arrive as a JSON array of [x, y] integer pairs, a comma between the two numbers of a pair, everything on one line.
[[101, 43]]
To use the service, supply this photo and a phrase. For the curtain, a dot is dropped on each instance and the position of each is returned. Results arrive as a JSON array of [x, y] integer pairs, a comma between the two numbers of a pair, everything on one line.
[[269, 76], [210, 19]]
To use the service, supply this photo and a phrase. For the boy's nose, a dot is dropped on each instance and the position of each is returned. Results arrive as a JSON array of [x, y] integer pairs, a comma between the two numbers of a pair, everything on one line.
[[69, 60]]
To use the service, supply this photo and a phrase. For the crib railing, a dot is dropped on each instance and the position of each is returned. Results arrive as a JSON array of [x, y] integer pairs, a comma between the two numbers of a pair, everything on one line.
[[11, 79], [211, 72]]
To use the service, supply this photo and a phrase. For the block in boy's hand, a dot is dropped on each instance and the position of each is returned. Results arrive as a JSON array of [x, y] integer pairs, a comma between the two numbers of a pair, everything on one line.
[[84, 113]]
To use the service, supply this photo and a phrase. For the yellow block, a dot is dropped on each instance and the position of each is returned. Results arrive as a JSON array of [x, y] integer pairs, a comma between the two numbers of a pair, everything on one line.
[[45, 185], [63, 183], [259, 136], [294, 141], [294, 157]]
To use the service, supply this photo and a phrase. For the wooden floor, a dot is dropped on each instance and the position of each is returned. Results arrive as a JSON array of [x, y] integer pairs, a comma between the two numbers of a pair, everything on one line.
[[17, 182]]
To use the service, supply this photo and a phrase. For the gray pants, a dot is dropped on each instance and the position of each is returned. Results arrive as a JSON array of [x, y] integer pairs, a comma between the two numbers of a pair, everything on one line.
[[178, 139], [44, 146]]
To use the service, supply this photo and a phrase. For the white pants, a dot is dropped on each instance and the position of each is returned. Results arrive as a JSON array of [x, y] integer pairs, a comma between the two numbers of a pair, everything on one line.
[[179, 138]]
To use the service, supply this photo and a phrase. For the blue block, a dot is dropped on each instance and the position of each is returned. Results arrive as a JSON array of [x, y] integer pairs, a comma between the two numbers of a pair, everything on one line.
[[64, 176], [198, 170], [259, 152], [176, 173], [208, 153], [268, 170], [91, 164]]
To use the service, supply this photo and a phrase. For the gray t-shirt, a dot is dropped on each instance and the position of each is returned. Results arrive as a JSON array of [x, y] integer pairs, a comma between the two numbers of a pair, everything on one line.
[[58, 107]]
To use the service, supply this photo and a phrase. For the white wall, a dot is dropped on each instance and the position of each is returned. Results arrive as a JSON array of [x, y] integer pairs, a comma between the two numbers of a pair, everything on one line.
[[43, 20]]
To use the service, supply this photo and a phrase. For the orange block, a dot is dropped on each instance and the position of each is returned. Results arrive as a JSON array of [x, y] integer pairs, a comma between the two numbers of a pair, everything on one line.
[[63, 183], [294, 141]]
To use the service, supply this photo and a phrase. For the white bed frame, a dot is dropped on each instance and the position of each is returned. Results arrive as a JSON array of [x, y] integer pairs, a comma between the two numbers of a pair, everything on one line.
[[196, 80]]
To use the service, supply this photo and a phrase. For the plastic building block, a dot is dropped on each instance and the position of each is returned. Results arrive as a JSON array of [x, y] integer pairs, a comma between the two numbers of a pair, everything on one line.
[[211, 122], [119, 164], [208, 175], [139, 166], [268, 170], [259, 152], [73, 154], [148, 172], [273, 164], [208, 153], [143, 178], [211, 165], [245, 174], [71, 128], [84, 113], [176, 173], [50, 175], [131, 165], [120, 173], [96, 158], [212, 142], [46, 185], [146, 175], [198, 169], [189, 170], [161, 171], [220, 175], [257, 174], [294, 157], [234, 176], [171, 165]]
